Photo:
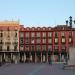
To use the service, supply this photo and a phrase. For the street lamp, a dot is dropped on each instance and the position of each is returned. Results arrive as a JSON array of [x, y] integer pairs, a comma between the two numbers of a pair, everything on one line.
[[70, 21]]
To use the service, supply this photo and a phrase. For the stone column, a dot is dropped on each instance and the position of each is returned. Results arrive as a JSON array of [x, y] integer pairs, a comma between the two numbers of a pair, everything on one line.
[[1, 58], [16, 59], [44, 58], [60, 57], [41, 57], [11, 58], [68, 56], [52, 57], [24, 57], [4, 57], [35, 58], [30, 58], [47, 57]]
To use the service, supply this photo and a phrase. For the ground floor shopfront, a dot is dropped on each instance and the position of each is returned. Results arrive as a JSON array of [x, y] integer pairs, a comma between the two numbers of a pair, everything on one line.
[[33, 57]]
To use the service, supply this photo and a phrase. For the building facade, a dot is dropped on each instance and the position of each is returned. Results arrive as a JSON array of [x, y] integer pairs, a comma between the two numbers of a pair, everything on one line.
[[9, 41], [37, 45], [46, 43]]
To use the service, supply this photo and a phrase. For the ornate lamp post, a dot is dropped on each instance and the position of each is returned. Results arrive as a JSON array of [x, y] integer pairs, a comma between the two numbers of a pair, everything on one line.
[[70, 21]]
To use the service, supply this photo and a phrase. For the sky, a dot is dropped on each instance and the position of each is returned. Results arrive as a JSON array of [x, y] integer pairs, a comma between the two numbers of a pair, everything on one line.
[[34, 13]]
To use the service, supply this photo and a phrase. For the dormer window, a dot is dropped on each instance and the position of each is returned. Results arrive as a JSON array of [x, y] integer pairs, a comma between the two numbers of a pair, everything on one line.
[[63, 34], [44, 28], [28, 28], [33, 28], [38, 28], [49, 28]]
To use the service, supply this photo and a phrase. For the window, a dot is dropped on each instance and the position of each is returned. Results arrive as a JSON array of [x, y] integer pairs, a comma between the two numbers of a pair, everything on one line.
[[8, 43], [1, 34], [63, 40], [21, 34], [15, 48], [0, 48], [70, 34], [49, 41], [56, 47], [55, 34], [49, 47], [27, 40], [38, 40], [8, 35], [38, 34], [27, 34], [63, 34], [16, 34], [32, 34], [21, 41], [0, 41], [63, 47], [33, 28], [44, 28], [32, 48], [21, 48], [70, 40], [27, 47], [8, 48], [38, 28], [49, 28], [49, 34], [43, 40], [28, 28], [44, 47], [56, 40], [38, 47], [32, 41], [44, 34]]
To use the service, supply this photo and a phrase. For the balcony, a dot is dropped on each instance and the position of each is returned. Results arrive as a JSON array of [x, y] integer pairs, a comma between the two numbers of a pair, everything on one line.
[[7, 43], [10, 50]]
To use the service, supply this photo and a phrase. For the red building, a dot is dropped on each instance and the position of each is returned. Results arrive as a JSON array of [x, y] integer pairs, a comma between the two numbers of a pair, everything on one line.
[[46, 43]]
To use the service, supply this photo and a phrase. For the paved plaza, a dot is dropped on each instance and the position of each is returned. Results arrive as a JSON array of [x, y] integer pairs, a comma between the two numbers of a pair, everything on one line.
[[34, 69]]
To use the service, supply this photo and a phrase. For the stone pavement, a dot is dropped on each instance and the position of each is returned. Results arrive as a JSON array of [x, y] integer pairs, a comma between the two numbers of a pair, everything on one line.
[[34, 69]]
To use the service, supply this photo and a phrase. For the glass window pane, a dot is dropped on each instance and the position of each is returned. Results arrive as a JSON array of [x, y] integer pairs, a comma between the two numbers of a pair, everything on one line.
[[49, 34]]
